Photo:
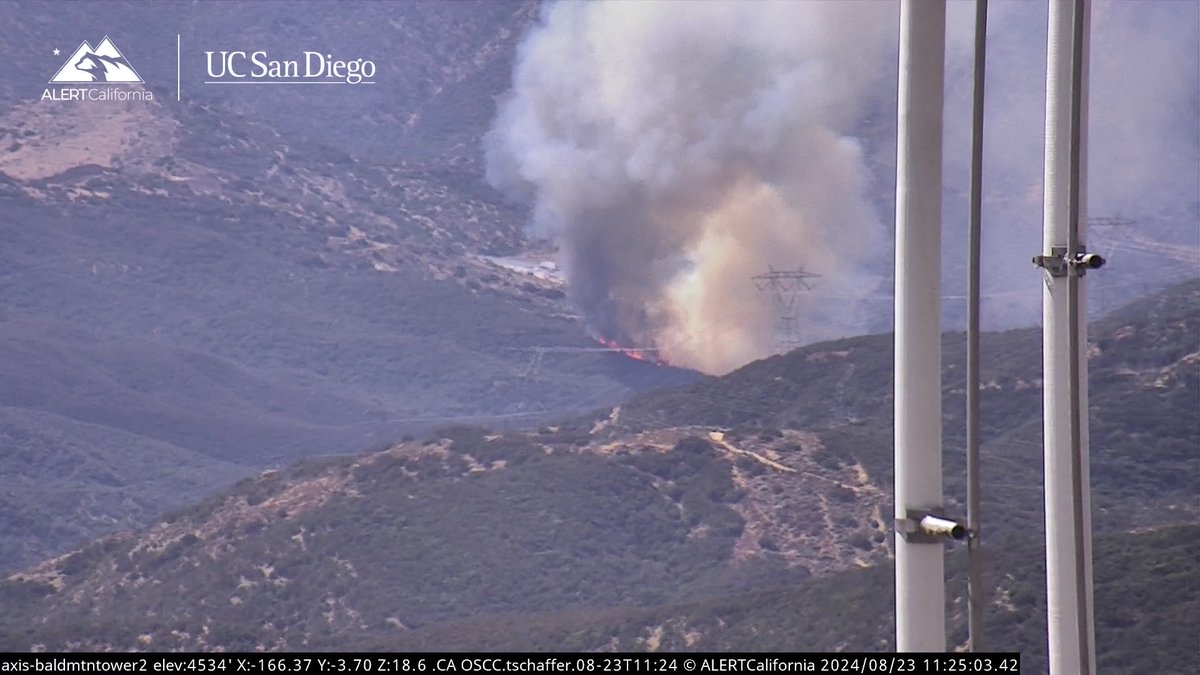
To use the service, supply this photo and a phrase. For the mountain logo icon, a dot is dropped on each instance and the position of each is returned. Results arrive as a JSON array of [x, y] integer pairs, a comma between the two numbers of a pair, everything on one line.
[[104, 64]]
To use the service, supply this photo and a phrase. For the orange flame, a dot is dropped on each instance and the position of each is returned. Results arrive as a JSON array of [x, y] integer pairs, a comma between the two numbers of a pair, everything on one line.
[[637, 354]]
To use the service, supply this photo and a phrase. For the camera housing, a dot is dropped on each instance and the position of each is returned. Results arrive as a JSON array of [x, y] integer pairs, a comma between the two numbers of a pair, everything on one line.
[[936, 526], [1093, 261], [930, 527]]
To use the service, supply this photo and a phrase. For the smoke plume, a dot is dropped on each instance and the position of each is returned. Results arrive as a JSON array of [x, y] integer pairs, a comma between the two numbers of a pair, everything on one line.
[[672, 151]]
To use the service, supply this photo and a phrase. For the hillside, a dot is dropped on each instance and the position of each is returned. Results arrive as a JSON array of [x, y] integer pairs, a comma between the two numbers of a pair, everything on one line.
[[598, 518], [43, 507], [223, 277], [440, 65], [207, 303], [1147, 591], [201, 227], [1144, 389], [258, 275]]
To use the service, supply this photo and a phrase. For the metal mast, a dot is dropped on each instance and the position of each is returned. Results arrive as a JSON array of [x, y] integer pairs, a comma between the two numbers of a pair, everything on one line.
[[920, 584], [1064, 341], [974, 542]]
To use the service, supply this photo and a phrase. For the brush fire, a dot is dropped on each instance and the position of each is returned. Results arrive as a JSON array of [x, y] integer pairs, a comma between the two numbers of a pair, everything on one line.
[[646, 355]]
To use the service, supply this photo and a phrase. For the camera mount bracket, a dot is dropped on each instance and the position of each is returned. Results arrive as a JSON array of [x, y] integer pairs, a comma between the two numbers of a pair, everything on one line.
[[1059, 264]]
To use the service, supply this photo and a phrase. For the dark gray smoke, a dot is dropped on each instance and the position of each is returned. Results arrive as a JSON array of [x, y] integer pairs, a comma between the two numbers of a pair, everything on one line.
[[674, 150]]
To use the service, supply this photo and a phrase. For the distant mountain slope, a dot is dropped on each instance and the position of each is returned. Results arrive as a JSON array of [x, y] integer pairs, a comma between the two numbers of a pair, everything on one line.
[[198, 229], [595, 515], [439, 64], [152, 390], [230, 275], [66, 481], [188, 334]]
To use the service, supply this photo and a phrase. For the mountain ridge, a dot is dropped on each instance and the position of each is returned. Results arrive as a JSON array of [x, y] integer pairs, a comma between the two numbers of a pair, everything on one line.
[[581, 517]]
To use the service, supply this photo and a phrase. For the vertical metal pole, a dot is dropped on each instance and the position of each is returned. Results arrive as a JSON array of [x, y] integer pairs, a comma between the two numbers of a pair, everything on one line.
[[974, 553], [920, 583], [1068, 509], [1077, 221]]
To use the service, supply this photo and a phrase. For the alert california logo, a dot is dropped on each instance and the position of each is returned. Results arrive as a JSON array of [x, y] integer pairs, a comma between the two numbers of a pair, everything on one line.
[[96, 74]]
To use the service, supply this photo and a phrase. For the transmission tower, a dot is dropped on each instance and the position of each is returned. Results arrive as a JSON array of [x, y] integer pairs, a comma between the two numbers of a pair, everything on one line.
[[784, 287]]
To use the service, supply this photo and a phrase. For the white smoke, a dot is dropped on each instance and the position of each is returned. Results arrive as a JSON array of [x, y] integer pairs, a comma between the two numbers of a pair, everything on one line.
[[674, 150]]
